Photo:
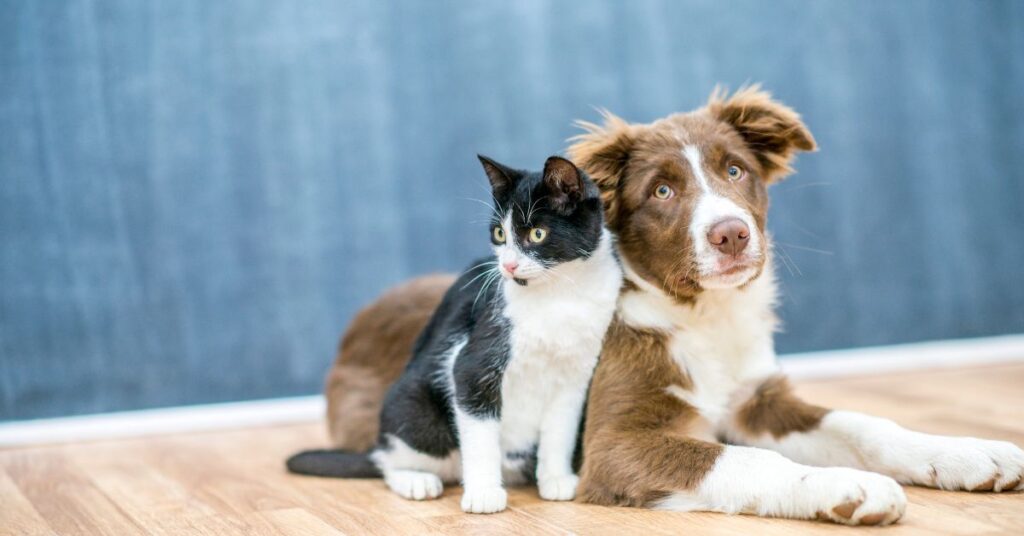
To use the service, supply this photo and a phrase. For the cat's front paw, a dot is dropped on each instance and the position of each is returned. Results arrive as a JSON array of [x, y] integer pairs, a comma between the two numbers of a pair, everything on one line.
[[414, 485], [967, 463], [558, 488], [487, 500]]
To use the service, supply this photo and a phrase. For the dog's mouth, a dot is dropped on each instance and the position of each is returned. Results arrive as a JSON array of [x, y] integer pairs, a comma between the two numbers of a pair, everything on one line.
[[730, 273]]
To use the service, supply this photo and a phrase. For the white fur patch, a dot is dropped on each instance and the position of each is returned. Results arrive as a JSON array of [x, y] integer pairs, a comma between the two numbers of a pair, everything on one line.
[[851, 439], [415, 485], [412, 474], [510, 252], [712, 208], [722, 342], [558, 326], [479, 441], [747, 480]]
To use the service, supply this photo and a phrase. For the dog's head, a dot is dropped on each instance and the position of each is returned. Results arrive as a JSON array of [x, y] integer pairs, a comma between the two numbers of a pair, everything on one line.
[[687, 194]]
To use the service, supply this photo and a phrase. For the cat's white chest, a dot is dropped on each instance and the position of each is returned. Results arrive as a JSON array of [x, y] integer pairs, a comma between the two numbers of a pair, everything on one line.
[[537, 375], [555, 342]]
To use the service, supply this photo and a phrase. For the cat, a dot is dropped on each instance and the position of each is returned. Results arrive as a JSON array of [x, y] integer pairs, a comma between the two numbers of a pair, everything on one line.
[[495, 390]]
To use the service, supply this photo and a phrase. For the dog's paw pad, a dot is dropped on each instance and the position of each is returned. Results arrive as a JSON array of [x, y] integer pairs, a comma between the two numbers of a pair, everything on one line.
[[854, 497], [966, 463]]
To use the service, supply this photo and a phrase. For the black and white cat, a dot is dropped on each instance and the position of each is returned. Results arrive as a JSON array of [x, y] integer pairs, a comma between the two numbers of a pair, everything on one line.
[[495, 389]]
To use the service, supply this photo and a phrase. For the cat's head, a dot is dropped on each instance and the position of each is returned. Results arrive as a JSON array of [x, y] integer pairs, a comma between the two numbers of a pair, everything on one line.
[[542, 220]]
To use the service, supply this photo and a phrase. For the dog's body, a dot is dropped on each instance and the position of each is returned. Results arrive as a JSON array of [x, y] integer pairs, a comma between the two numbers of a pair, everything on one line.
[[687, 409]]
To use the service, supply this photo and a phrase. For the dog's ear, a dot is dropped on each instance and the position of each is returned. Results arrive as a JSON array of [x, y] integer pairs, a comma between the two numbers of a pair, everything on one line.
[[772, 130], [602, 151]]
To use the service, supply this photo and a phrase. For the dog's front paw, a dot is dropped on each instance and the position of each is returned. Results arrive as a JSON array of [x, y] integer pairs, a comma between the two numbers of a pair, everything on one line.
[[485, 500], [966, 463], [558, 488], [853, 497]]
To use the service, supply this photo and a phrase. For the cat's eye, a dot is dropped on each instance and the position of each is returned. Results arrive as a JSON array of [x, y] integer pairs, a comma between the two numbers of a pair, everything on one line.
[[499, 235], [537, 235], [663, 191], [735, 173]]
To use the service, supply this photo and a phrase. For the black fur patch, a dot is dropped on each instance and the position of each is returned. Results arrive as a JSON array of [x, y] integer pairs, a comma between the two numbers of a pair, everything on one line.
[[419, 407]]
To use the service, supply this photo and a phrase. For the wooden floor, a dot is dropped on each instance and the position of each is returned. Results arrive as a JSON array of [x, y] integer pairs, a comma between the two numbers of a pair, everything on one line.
[[234, 482]]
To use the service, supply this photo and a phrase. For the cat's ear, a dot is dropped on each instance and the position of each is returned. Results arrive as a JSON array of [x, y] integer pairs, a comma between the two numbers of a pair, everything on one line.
[[502, 177], [565, 183]]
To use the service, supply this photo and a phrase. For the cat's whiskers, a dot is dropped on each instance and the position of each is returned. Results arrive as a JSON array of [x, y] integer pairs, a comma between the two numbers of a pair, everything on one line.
[[529, 213], [490, 206], [521, 213], [495, 274], [494, 268], [553, 272]]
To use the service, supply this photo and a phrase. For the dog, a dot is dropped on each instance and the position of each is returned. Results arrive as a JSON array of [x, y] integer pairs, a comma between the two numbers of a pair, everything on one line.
[[688, 409]]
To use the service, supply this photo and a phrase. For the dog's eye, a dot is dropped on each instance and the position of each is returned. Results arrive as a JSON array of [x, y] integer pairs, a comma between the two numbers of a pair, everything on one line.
[[499, 235], [663, 191], [736, 173], [537, 235]]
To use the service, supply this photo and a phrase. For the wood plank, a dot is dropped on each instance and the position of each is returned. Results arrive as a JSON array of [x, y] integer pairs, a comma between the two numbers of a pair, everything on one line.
[[17, 515], [148, 497], [65, 498], [234, 482]]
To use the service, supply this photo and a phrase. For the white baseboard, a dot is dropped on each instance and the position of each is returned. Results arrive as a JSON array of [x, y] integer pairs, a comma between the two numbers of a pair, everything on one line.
[[812, 365], [163, 421], [951, 353]]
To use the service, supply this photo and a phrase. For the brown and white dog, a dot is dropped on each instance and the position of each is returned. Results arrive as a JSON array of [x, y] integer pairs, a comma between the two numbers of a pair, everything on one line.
[[687, 409]]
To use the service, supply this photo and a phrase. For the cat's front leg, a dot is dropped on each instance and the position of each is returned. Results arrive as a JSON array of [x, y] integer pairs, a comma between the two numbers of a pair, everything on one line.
[[480, 443], [555, 478]]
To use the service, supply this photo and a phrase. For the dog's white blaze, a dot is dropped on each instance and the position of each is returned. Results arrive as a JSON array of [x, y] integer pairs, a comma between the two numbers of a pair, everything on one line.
[[712, 208], [692, 154]]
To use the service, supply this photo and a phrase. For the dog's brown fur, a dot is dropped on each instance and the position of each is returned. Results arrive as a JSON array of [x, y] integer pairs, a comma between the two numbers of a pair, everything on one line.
[[644, 429], [639, 443], [776, 410], [372, 355]]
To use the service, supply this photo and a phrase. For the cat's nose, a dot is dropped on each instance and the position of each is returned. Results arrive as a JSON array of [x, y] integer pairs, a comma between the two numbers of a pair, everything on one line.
[[510, 266]]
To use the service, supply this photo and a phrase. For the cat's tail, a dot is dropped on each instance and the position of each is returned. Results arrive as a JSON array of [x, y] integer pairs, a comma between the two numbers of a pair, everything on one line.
[[333, 463]]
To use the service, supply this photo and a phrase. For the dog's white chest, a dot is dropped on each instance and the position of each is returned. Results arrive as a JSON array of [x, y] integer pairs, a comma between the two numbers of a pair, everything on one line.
[[722, 342]]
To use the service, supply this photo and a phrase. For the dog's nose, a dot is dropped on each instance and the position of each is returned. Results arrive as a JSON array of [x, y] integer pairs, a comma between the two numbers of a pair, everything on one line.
[[730, 236], [510, 266]]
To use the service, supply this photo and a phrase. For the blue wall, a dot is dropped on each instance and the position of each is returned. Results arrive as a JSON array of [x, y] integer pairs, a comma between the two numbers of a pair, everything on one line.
[[196, 196]]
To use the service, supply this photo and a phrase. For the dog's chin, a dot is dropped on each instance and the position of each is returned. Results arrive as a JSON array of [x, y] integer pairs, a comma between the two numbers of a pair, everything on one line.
[[732, 276]]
